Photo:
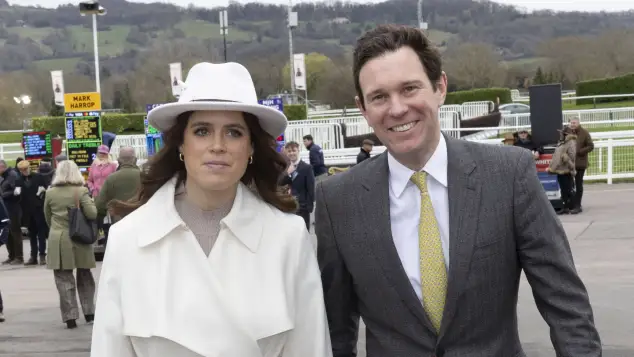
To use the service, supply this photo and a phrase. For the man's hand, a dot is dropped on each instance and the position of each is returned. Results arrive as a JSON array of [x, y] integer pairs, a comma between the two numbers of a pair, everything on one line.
[[536, 155]]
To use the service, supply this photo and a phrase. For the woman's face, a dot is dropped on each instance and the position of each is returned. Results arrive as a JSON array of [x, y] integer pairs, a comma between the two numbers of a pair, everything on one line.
[[216, 149], [102, 156]]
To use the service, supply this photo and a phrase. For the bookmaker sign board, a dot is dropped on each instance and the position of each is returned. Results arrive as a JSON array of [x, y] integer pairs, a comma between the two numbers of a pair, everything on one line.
[[37, 145], [278, 104], [153, 137], [83, 136], [77, 102]]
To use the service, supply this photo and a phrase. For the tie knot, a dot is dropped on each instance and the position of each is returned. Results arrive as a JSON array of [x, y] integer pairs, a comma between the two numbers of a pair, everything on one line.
[[420, 180]]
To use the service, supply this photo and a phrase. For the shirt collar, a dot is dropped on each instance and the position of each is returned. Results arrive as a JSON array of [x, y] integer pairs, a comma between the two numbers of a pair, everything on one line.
[[436, 167]]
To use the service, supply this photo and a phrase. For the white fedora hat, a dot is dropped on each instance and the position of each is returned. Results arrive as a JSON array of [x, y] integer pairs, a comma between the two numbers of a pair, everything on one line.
[[225, 86]]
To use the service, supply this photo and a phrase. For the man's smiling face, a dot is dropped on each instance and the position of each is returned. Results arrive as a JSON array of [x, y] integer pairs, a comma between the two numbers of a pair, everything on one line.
[[400, 102]]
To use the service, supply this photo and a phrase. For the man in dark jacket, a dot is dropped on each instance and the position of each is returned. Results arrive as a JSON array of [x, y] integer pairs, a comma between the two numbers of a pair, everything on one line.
[[121, 185], [366, 149], [32, 203], [301, 180], [525, 140], [584, 147], [316, 156], [4, 227], [8, 186]]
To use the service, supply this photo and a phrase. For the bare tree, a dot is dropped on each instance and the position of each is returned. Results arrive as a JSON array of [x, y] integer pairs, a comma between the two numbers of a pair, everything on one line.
[[475, 65]]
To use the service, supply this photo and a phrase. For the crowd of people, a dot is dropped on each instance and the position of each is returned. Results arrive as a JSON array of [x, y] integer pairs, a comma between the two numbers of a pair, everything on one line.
[[426, 242], [569, 161], [39, 201]]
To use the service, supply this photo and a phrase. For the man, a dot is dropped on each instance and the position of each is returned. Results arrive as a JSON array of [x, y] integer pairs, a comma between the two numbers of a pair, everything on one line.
[[301, 180], [11, 199], [525, 140], [584, 147], [122, 184], [315, 156], [366, 149], [427, 241]]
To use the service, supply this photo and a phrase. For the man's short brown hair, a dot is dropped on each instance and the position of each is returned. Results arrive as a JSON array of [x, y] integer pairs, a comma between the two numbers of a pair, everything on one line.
[[368, 142], [291, 144], [390, 38]]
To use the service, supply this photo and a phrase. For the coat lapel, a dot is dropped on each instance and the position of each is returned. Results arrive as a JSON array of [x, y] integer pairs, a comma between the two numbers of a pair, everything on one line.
[[464, 203], [375, 202]]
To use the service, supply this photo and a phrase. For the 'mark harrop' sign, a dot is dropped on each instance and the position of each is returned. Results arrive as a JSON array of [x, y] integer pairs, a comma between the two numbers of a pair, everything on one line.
[[82, 102]]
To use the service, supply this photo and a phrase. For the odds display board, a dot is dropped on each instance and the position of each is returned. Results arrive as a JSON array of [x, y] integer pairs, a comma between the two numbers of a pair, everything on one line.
[[153, 137], [278, 104], [37, 145], [83, 137]]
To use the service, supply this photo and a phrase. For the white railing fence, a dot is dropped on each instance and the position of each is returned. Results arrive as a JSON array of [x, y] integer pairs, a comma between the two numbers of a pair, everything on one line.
[[612, 159]]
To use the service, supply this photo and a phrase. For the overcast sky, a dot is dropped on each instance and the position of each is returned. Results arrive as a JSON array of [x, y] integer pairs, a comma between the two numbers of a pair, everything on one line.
[[563, 5]]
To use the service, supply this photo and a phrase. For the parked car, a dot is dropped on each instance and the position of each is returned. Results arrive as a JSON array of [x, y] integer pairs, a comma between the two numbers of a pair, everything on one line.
[[515, 108]]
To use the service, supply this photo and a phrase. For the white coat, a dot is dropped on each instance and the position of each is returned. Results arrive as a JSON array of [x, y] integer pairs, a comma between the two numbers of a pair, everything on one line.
[[258, 294]]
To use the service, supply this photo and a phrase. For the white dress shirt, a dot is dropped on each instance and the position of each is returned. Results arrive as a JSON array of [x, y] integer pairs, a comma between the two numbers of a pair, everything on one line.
[[405, 210]]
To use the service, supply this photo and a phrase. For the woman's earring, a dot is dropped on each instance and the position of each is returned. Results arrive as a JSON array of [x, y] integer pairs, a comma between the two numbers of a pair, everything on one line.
[[181, 157], [250, 159]]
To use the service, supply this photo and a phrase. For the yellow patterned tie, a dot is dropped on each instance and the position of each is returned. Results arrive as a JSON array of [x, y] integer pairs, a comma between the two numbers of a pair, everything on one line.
[[433, 271]]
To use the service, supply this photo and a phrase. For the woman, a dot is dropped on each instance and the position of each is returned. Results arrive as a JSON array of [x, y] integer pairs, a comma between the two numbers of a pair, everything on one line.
[[563, 165], [100, 169], [64, 255], [211, 259]]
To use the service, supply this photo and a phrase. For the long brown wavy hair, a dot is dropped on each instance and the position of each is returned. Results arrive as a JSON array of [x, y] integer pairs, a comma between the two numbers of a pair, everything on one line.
[[263, 174]]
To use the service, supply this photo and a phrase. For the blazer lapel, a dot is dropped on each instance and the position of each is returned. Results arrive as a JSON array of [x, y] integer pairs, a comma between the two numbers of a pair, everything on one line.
[[375, 202], [464, 202]]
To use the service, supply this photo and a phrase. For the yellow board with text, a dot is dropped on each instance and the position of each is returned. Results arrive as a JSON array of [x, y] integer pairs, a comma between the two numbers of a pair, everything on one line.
[[81, 102]]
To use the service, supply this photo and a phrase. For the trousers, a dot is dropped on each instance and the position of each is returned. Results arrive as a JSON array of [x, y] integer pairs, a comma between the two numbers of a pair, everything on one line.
[[68, 288]]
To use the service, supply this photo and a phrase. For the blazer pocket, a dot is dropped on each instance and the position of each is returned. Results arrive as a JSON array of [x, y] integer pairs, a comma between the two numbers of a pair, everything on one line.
[[487, 248]]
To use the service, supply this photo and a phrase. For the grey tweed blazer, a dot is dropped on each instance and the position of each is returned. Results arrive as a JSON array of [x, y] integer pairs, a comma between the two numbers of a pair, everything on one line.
[[500, 224]]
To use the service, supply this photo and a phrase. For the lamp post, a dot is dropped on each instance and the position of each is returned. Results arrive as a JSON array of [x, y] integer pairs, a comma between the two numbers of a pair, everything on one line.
[[292, 23], [91, 7], [224, 28], [23, 100]]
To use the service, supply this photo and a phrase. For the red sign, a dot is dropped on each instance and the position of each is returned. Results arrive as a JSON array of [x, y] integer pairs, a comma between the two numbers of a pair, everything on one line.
[[543, 162]]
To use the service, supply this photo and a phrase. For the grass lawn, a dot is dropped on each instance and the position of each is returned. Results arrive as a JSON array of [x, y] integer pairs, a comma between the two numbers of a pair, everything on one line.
[[111, 43], [63, 64], [623, 161], [570, 105]]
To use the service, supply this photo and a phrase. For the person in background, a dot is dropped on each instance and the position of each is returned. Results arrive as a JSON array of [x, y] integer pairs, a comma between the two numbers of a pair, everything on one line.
[[10, 191], [65, 255], [315, 155], [525, 140], [585, 145], [366, 149], [563, 165], [121, 185], [100, 169], [4, 235], [300, 178], [29, 205]]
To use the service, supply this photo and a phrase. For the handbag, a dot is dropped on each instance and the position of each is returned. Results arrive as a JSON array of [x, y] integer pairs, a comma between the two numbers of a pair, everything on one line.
[[81, 229]]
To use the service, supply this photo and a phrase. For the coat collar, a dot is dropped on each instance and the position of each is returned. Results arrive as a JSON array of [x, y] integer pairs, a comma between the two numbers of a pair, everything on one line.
[[245, 220]]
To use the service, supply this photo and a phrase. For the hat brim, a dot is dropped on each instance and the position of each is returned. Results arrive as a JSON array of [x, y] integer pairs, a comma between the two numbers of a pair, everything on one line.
[[271, 120]]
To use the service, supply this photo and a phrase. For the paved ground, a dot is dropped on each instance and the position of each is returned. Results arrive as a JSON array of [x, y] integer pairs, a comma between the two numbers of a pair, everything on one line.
[[601, 238]]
